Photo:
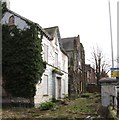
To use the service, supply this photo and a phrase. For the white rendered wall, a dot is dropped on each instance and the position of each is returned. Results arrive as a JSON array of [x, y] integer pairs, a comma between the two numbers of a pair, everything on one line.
[[52, 79]]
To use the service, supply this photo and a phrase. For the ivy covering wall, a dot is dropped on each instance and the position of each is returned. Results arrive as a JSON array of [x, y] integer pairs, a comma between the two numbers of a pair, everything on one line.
[[22, 62]]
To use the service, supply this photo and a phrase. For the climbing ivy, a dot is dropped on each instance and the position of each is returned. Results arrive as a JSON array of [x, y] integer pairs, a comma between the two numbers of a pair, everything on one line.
[[22, 61], [3, 8]]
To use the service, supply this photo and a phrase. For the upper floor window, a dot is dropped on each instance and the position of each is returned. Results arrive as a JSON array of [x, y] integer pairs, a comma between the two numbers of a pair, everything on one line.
[[56, 41], [45, 53], [56, 59], [11, 20], [45, 83], [63, 65]]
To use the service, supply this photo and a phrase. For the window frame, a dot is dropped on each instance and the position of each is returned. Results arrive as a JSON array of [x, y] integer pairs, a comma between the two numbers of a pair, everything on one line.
[[56, 59], [45, 52], [45, 90]]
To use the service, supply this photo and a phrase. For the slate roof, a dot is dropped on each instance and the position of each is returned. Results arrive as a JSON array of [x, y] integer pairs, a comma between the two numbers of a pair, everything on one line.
[[27, 20], [51, 30], [55, 30], [68, 43], [88, 67]]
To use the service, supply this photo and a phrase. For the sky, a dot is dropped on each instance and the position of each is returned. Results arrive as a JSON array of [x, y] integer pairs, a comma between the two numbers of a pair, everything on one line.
[[87, 18]]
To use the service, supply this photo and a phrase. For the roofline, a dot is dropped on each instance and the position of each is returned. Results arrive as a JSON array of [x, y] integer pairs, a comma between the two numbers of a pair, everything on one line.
[[44, 32], [51, 27], [23, 18], [63, 51], [51, 37], [41, 29], [71, 37], [89, 66]]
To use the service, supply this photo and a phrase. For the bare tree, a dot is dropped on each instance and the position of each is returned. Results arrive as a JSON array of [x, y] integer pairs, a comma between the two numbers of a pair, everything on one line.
[[102, 65]]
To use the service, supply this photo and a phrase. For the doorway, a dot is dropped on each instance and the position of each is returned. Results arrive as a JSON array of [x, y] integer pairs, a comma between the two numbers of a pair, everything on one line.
[[58, 87]]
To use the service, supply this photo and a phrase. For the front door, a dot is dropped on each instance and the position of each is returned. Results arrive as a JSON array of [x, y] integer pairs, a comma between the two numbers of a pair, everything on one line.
[[59, 87]]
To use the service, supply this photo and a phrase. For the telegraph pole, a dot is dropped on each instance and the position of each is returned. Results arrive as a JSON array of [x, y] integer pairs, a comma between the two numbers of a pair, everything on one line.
[[118, 34], [118, 54], [111, 34]]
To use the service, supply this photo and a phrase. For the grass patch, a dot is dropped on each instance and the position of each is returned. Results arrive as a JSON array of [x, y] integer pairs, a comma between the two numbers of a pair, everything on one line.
[[86, 95], [78, 108], [83, 105]]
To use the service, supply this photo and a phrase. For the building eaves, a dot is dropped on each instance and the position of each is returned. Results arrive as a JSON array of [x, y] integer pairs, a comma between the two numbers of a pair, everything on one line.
[[88, 67], [27, 20], [52, 31]]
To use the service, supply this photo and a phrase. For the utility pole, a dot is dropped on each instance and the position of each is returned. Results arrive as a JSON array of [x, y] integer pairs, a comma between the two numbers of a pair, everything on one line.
[[111, 34], [118, 34], [118, 55]]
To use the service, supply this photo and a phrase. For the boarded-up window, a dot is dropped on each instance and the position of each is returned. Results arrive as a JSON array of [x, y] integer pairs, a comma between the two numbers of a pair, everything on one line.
[[45, 86]]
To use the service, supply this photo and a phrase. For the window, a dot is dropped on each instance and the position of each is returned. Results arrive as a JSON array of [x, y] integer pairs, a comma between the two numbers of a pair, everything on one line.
[[45, 85], [56, 59], [63, 65], [45, 53], [63, 86], [11, 20], [56, 41]]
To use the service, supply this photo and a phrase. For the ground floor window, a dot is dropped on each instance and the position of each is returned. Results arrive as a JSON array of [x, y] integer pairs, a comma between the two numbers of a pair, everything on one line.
[[45, 85]]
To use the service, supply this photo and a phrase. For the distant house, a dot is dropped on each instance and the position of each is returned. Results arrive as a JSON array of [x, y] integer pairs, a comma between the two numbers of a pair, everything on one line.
[[73, 48], [54, 82], [90, 74], [91, 81], [55, 78]]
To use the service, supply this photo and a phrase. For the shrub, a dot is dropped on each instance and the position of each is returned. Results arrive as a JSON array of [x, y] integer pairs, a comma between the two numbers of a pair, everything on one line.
[[47, 105]]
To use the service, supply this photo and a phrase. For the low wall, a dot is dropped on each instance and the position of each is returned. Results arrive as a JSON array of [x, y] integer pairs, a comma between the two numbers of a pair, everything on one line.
[[16, 102], [92, 88]]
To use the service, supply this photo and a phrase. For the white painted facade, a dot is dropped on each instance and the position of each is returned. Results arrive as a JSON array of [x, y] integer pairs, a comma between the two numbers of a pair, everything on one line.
[[56, 85], [52, 85]]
